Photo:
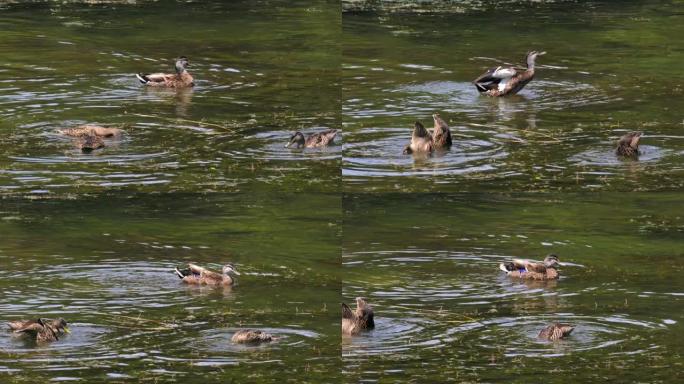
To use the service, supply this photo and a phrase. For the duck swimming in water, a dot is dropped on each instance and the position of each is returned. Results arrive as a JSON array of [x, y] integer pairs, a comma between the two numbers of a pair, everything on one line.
[[41, 330], [503, 81], [555, 331], [532, 270], [628, 145], [182, 78], [353, 322], [315, 140], [194, 274], [251, 336], [91, 130]]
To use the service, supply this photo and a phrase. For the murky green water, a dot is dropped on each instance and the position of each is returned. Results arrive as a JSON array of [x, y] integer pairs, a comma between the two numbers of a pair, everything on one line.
[[445, 313], [202, 175], [609, 69]]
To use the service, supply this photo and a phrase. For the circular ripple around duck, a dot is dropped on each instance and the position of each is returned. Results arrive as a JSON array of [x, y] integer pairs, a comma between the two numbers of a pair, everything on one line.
[[391, 335], [517, 336], [218, 340], [271, 146], [378, 152], [606, 156]]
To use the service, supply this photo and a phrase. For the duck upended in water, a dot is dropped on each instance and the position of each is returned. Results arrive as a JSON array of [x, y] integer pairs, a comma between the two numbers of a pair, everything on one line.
[[91, 130], [628, 145], [41, 330], [194, 274], [441, 135], [358, 320], [421, 140], [251, 336], [532, 270], [555, 331], [502, 81], [179, 79], [315, 140]]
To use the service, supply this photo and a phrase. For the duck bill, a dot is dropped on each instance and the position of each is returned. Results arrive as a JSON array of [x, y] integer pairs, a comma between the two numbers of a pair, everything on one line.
[[67, 330], [635, 141], [288, 145], [236, 272]]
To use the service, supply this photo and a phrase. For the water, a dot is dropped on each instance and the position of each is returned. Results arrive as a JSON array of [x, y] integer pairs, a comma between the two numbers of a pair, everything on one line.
[[429, 265], [601, 77]]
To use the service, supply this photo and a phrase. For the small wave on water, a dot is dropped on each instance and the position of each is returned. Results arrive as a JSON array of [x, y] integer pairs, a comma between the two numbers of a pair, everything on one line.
[[270, 145]]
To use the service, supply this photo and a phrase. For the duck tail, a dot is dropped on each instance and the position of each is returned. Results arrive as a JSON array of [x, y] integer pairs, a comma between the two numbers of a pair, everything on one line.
[[182, 273], [142, 78], [505, 267]]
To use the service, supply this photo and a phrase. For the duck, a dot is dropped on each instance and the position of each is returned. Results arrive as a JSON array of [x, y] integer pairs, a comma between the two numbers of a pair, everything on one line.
[[194, 274], [421, 140], [503, 81], [628, 145], [89, 143], [555, 331], [251, 336], [41, 330], [441, 135], [182, 78], [315, 140], [91, 129], [353, 322], [532, 270]]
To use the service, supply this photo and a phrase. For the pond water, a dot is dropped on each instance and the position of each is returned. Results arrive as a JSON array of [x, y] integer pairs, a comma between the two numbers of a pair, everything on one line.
[[608, 70], [446, 313]]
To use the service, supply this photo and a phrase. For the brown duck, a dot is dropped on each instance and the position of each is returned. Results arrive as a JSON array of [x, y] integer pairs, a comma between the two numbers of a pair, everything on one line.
[[441, 135], [555, 331], [91, 130], [502, 81], [532, 270], [194, 274], [251, 336], [421, 140], [358, 320], [180, 79], [315, 140], [41, 330], [628, 145]]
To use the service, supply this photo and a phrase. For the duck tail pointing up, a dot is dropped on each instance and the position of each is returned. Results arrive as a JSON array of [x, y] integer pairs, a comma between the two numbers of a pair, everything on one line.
[[143, 78], [179, 273], [502, 267]]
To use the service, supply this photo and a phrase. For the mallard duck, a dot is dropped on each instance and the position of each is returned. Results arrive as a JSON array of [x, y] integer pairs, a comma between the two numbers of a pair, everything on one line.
[[533, 270], [502, 81], [354, 322], [194, 274], [315, 140], [555, 331], [89, 143], [41, 330], [628, 145], [421, 140], [441, 135], [251, 336], [171, 80], [90, 130]]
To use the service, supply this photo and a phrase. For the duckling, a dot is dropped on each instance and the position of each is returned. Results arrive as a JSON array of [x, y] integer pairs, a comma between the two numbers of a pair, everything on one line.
[[89, 143], [441, 135], [502, 81], [90, 129], [41, 330], [532, 270], [628, 145], [354, 322], [179, 79], [315, 140], [251, 336], [555, 331], [421, 140], [194, 274]]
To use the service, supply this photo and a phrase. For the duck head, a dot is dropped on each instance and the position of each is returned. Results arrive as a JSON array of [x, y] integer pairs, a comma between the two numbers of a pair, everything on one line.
[[181, 64], [551, 261], [229, 269], [90, 143], [58, 325], [532, 57], [297, 139]]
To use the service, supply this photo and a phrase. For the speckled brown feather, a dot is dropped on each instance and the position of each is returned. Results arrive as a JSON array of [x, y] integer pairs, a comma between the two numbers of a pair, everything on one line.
[[441, 135], [353, 322], [555, 331]]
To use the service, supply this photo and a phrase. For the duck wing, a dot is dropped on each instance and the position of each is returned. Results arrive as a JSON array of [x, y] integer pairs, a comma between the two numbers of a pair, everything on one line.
[[347, 312], [529, 265], [492, 77], [321, 139], [197, 270], [154, 78], [29, 326]]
